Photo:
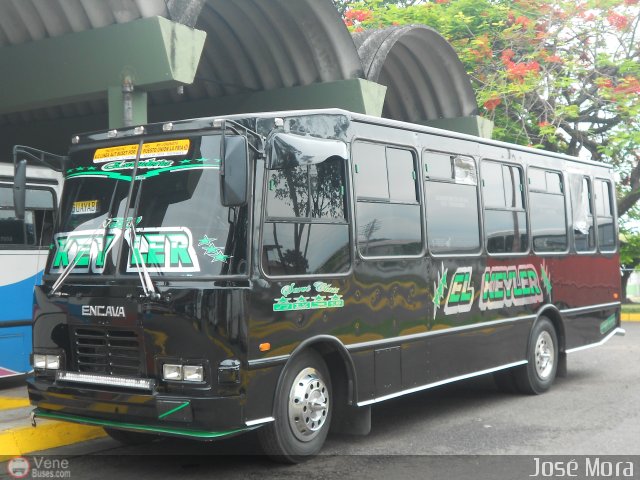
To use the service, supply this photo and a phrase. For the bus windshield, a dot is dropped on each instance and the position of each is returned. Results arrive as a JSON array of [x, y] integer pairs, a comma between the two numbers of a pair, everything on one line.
[[175, 224]]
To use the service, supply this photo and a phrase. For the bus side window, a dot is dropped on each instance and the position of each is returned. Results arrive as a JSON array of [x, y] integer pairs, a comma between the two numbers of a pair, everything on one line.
[[505, 219], [547, 210], [387, 209], [582, 213], [36, 228], [604, 212], [306, 229], [453, 225]]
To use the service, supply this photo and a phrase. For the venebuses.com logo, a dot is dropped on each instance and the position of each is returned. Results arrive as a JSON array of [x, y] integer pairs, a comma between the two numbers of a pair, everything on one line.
[[18, 467], [38, 467]]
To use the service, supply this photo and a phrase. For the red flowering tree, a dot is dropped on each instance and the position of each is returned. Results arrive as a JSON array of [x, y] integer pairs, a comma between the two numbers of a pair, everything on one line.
[[558, 74]]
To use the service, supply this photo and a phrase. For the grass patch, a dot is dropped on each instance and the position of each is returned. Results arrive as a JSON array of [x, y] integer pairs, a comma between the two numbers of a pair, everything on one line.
[[631, 308]]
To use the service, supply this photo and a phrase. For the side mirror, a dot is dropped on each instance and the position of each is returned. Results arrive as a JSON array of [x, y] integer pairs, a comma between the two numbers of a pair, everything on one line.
[[20, 188], [235, 171]]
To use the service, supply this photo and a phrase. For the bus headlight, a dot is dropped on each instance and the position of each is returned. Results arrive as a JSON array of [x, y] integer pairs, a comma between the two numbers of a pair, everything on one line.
[[53, 362], [193, 373], [46, 362], [172, 372], [39, 361], [183, 373]]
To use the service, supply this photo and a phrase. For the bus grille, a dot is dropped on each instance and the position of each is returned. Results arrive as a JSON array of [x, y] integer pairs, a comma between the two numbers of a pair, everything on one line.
[[114, 352]]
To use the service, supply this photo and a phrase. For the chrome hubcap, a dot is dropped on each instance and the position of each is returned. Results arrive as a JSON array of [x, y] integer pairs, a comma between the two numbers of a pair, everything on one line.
[[308, 404], [545, 355]]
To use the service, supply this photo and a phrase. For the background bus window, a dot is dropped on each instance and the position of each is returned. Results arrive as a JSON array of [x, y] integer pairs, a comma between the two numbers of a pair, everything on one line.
[[604, 211], [36, 229], [547, 210], [582, 211], [388, 219], [452, 205], [505, 220], [306, 230]]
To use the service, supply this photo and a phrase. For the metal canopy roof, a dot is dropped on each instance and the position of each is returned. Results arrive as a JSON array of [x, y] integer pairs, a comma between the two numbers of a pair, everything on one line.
[[258, 45]]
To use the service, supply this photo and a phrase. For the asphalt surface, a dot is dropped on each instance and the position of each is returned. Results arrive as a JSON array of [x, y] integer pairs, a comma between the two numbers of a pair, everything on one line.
[[464, 430]]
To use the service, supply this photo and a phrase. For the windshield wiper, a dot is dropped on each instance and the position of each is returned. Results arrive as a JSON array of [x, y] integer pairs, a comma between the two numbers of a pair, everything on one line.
[[69, 268], [148, 287]]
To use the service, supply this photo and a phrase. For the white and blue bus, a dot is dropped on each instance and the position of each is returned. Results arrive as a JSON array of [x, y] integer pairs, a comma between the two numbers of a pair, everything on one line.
[[24, 244]]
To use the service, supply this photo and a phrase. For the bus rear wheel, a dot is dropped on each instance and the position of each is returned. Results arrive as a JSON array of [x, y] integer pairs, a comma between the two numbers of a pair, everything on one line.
[[302, 411], [538, 374]]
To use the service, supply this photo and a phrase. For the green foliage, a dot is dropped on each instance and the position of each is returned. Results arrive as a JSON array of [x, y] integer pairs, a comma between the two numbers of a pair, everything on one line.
[[559, 74]]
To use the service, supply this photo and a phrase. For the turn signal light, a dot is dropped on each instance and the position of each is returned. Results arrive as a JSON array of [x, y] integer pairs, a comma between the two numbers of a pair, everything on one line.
[[264, 347]]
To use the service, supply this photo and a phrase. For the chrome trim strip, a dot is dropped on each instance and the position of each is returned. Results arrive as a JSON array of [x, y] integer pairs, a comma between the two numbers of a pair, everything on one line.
[[258, 421], [617, 331], [600, 306], [441, 382], [416, 336], [261, 362]]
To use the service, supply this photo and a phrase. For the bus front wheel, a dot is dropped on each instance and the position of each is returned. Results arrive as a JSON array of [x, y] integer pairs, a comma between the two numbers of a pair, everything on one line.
[[539, 373], [302, 410]]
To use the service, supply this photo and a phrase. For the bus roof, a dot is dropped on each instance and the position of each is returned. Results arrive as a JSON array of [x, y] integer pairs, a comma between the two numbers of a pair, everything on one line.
[[203, 122]]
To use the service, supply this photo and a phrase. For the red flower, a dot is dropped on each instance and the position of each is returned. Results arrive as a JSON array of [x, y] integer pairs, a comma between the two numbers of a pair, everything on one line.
[[507, 55], [492, 103], [358, 15], [628, 86], [517, 71], [553, 59], [543, 124], [618, 21], [522, 20]]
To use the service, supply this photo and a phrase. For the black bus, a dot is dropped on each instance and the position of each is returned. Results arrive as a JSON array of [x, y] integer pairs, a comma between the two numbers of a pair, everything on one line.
[[285, 271]]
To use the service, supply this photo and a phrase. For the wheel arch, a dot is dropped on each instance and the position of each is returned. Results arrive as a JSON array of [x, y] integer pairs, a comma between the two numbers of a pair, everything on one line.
[[555, 316], [338, 360]]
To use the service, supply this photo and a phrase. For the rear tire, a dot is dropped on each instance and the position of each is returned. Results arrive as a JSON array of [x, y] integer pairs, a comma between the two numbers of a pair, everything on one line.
[[538, 374], [302, 411], [130, 438]]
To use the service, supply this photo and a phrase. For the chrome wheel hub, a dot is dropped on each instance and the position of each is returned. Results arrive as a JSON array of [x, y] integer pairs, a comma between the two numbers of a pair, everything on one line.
[[544, 355], [308, 404]]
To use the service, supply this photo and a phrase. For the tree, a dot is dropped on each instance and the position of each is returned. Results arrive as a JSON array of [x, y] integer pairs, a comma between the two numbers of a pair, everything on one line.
[[557, 74]]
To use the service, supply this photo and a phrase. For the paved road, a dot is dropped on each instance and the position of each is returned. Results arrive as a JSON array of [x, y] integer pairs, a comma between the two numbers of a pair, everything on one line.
[[594, 411]]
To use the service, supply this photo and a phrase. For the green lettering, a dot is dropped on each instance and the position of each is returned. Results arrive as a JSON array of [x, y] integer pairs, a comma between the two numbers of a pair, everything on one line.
[[535, 284], [526, 291], [179, 254], [466, 294], [61, 258], [517, 290], [156, 254], [486, 290]]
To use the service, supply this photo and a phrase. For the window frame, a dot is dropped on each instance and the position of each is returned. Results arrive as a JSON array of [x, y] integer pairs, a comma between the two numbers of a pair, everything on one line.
[[613, 216], [481, 250], [54, 218], [419, 199], [524, 209], [566, 216], [265, 220], [592, 204]]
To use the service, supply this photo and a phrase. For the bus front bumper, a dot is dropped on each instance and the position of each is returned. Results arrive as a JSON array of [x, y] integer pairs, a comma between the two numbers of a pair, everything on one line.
[[198, 417]]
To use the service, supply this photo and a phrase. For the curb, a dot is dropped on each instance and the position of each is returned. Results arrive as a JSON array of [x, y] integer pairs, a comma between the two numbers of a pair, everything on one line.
[[630, 317], [18, 437], [48, 434]]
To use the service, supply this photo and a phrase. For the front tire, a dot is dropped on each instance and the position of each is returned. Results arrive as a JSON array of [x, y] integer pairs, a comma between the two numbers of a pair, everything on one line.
[[538, 374], [303, 407]]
